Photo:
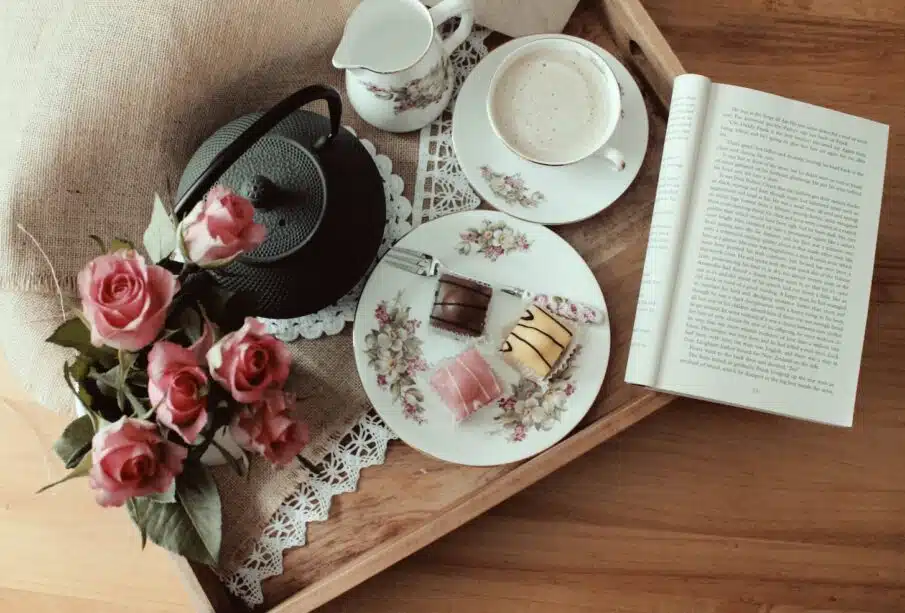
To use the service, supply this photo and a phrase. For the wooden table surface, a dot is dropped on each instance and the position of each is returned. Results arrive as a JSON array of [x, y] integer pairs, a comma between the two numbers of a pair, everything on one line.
[[700, 508]]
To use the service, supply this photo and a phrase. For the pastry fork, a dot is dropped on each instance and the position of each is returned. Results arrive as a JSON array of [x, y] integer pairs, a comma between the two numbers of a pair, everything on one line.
[[426, 265]]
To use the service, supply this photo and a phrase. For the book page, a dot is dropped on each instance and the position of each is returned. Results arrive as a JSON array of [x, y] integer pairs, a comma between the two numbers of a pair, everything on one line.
[[687, 111], [773, 290]]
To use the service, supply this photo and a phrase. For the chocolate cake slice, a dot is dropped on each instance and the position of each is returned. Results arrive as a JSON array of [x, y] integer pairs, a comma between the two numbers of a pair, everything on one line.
[[460, 305]]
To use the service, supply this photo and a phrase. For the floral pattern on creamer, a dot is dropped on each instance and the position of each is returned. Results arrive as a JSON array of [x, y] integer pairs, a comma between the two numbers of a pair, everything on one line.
[[567, 308], [418, 93], [529, 407], [511, 188], [394, 352], [492, 239]]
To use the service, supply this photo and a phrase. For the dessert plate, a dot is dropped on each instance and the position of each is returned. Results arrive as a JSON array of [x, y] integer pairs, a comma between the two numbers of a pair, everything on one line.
[[397, 350], [544, 194]]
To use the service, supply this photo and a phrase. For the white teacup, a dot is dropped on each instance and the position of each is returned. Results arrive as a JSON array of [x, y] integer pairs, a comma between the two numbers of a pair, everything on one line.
[[555, 101]]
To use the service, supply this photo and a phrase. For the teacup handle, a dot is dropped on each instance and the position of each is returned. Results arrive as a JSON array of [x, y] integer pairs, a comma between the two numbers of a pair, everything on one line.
[[448, 9], [614, 156]]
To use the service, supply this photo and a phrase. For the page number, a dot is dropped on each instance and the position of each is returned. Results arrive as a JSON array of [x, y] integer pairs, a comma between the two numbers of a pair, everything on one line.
[[755, 390]]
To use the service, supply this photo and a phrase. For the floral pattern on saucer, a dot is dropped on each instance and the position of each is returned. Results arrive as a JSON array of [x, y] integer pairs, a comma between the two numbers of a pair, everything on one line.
[[418, 93], [530, 407], [511, 188], [394, 352], [492, 240]]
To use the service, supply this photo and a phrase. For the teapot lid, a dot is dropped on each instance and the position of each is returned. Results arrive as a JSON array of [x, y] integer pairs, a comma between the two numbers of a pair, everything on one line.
[[280, 176]]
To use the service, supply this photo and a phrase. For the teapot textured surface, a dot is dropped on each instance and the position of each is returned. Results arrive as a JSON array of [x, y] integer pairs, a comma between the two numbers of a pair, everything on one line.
[[323, 231]]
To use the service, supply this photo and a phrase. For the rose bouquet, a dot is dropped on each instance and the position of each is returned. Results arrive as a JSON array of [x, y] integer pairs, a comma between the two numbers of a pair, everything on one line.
[[164, 371]]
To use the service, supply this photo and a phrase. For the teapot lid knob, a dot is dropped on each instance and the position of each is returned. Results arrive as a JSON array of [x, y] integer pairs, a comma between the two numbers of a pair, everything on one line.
[[262, 192]]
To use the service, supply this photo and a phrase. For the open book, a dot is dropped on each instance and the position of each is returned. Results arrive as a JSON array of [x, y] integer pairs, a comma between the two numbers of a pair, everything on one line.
[[760, 258]]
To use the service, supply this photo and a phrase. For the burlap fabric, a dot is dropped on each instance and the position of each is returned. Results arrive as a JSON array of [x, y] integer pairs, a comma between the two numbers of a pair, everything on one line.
[[101, 105], [331, 400]]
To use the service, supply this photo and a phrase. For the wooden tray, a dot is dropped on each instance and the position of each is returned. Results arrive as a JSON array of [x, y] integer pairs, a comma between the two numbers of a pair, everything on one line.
[[412, 500]]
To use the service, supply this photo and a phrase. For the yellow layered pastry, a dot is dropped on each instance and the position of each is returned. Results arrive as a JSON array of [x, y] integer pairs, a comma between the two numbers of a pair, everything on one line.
[[538, 342]]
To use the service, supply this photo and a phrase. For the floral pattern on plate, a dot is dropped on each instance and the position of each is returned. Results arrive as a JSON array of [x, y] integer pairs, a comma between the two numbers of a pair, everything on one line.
[[492, 240], [418, 93], [394, 353], [511, 188], [530, 407]]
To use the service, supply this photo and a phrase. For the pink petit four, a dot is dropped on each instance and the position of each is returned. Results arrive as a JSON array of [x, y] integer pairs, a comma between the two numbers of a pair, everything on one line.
[[465, 383]]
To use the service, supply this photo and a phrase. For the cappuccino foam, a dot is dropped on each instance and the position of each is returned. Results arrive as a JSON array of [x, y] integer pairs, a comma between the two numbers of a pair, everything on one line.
[[550, 105]]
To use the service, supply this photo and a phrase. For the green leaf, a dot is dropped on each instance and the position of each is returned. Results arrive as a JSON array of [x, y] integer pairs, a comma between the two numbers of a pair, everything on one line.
[[140, 409], [75, 441], [167, 497], [126, 362], [190, 528], [100, 242], [80, 368], [191, 322], [160, 236], [120, 243], [68, 379], [138, 520], [197, 491], [79, 391], [108, 381], [81, 470], [71, 333], [74, 333]]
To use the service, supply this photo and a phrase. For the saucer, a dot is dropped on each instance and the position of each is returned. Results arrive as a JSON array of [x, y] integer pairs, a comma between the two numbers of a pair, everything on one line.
[[396, 348], [544, 194]]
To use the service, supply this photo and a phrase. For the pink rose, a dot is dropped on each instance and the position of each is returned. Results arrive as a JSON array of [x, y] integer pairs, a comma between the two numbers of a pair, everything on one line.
[[177, 387], [248, 361], [265, 427], [130, 459], [220, 228], [124, 300]]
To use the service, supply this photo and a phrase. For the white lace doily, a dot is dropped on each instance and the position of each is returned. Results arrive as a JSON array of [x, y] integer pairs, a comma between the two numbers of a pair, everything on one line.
[[331, 319], [440, 189], [440, 186], [364, 446]]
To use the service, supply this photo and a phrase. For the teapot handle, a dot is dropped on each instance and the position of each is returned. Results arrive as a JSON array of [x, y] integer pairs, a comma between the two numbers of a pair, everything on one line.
[[255, 131]]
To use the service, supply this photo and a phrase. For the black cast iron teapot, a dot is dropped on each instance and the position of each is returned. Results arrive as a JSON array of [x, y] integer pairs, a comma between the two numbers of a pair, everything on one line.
[[314, 187]]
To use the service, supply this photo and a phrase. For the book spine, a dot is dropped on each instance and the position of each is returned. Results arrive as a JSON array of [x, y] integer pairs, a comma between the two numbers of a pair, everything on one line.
[[684, 132]]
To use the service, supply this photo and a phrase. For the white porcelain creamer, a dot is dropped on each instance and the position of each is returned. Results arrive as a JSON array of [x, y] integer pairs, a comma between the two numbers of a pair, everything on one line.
[[398, 73]]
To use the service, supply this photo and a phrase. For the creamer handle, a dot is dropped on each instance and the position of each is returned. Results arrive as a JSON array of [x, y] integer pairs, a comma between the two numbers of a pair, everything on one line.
[[447, 9]]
